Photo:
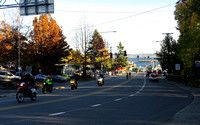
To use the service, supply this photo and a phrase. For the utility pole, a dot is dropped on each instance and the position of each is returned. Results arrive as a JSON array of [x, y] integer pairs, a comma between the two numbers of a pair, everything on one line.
[[111, 57], [84, 66], [19, 43]]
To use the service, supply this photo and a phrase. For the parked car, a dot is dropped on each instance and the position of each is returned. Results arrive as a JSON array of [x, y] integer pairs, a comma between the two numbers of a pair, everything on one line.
[[58, 78], [20, 73], [6, 76], [40, 77], [105, 73], [153, 77]]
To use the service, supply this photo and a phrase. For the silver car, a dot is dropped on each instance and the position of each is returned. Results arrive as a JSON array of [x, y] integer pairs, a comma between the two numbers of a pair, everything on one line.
[[6, 76]]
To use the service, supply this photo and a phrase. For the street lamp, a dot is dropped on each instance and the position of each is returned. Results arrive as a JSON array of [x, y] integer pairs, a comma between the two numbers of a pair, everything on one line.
[[167, 34], [108, 32]]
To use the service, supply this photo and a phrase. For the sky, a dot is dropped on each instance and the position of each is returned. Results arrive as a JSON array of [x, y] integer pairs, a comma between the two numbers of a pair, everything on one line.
[[138, 23]]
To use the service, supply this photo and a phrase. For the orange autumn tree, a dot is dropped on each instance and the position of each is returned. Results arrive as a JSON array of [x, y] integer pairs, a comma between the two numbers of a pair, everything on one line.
[[47, 45], [9, 43]]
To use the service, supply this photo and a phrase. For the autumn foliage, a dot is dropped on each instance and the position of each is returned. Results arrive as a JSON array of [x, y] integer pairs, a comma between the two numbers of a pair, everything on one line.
[[98, 51], [47, 45], [9, 43], [42, 49]]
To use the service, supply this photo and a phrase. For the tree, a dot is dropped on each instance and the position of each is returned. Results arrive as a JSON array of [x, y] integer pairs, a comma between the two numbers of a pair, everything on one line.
[[13, 29], [98, 52], [82, 36], [108, 64], [168, 53], [9, 37], [81, 43], [73, 57], [187, 15], [97, 47], [121, 60], [47, 45]]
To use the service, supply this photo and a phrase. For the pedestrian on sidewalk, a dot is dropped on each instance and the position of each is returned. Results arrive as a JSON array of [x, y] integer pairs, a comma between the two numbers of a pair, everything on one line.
[[127, 74]]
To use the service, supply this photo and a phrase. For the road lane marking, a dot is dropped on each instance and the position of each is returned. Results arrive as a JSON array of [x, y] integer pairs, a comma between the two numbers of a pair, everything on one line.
[[118, 99], [69, 98], [93, 93], [96, 105], [65, 99], [55, 114], [132, 95]]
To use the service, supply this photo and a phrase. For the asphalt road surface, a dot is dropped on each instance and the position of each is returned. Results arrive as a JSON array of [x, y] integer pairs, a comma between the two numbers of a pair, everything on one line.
[[119, 102]]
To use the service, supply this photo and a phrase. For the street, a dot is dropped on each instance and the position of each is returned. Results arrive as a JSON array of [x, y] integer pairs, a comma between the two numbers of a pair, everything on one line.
[[118, 102]]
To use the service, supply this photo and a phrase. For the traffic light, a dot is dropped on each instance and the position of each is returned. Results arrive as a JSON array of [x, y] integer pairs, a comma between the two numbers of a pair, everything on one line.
[[138, 56], [111, 56], [148, 57], [125, 53]]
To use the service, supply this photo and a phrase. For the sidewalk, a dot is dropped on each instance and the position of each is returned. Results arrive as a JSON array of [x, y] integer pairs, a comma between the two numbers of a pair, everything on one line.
[[190, 115]]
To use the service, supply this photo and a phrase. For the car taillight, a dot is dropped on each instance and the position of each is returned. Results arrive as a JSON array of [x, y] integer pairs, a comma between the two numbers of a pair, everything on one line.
[[157, 77]]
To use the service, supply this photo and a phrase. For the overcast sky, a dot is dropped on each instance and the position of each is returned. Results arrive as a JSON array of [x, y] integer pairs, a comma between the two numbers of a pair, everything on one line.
[[138, 23]]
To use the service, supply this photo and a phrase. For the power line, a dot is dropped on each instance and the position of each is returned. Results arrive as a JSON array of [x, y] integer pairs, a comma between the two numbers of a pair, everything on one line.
[[3, 2], [144, 12], [106, 12]]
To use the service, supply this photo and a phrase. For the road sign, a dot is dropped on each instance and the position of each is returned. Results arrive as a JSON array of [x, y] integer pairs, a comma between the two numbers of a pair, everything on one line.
[[34, 7], [197, 63], [177, 67]]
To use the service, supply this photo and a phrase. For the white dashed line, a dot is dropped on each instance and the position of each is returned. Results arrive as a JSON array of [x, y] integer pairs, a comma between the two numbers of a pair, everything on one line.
[[59, 113], [96, 105], [132, 95], [118, 99], [137, 92]]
